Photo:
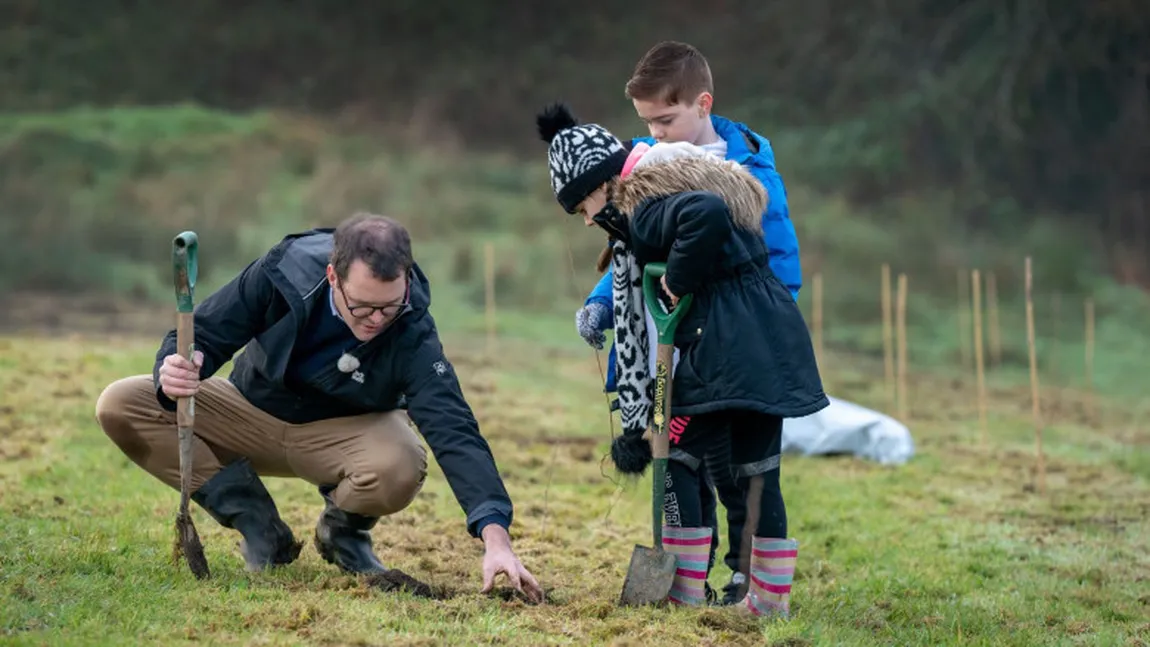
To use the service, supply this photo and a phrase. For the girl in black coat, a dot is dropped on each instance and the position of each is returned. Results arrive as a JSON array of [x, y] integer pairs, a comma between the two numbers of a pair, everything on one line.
[[745, 356]]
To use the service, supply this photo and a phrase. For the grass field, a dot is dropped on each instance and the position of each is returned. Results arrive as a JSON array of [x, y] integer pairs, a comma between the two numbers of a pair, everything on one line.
[[955, 547]]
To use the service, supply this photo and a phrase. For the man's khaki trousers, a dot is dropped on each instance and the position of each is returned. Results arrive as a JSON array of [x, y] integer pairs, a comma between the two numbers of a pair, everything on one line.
[[376, 461]]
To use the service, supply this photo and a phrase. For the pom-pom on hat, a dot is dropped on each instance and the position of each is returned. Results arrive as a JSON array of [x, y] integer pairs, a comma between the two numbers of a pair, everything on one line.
[[581, 157]]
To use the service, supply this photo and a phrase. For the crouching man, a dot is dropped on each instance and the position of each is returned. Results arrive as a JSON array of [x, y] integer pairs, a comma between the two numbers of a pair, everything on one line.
[[337, 338]]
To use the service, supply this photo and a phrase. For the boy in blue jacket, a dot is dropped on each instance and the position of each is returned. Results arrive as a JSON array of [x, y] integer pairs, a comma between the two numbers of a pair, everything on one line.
[[671, 89]]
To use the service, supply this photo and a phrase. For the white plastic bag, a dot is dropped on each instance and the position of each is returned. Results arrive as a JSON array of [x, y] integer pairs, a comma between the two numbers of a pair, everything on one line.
[[847, 428]]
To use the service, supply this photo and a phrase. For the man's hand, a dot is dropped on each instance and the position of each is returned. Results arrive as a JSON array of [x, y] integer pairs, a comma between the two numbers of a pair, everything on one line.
[[180, 378], [499, 558], [674, 299]]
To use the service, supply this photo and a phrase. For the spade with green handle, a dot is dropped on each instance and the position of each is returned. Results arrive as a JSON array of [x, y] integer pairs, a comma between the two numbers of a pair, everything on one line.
[[652, 570], [185, 264]]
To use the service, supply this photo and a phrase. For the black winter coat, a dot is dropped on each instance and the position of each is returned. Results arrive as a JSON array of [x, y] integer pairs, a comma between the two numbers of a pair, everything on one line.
[[744, 343], [263, 310]]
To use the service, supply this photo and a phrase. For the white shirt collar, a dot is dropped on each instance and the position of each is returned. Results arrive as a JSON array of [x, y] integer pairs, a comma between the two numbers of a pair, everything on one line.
[[331, 301]]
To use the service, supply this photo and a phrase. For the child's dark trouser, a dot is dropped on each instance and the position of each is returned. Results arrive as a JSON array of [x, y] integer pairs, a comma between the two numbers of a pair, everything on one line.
[[717, 478], [730, 494], [755, 441]]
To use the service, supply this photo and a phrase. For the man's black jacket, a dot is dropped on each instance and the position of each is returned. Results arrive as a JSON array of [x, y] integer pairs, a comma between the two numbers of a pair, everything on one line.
[[262, 311]]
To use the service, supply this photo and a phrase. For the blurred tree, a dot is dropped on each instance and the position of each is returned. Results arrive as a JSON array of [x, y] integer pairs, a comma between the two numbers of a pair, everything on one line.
[[1040, 104]]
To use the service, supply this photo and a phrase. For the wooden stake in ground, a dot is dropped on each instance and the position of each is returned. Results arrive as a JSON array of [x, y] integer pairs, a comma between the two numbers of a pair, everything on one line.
[[1034, 380], [489, 281], [888, 337], [903, 404], [976, 290], [1089, 307], [817, 316], [995, 335], [963, 319], [1054, 368]]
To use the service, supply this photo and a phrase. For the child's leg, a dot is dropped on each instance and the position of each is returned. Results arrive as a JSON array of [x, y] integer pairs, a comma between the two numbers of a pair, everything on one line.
[[756, 440], [685, 532], [709, 504], [733, 497]]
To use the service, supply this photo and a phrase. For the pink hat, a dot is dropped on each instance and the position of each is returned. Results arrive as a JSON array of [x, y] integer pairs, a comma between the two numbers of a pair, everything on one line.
[[633, 159]]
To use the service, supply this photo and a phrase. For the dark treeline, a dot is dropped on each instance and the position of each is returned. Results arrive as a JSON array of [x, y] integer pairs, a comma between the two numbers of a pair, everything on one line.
[[1018, 107]]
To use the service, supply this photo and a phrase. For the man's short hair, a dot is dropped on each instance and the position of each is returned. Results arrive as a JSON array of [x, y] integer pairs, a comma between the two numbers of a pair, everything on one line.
[[671, 72], [380, 242]]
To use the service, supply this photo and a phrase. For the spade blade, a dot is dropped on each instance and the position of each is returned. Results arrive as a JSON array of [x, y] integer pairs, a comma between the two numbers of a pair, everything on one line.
[[649, 577]]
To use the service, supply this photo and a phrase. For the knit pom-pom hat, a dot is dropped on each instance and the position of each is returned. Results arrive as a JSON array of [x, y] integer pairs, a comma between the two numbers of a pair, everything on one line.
[[581, 157]]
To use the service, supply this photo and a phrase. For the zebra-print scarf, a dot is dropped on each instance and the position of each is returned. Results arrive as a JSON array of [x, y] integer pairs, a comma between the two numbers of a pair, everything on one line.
[[632, 347]]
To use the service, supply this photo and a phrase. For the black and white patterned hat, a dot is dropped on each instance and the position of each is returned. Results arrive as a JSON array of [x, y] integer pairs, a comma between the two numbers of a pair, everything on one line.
[[581, 157]]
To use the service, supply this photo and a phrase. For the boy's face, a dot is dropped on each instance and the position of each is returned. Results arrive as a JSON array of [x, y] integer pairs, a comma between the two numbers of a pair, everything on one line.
[[681, 122]]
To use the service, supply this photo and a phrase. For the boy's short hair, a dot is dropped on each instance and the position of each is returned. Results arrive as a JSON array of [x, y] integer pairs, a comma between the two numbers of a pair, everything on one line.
[[671, 72]]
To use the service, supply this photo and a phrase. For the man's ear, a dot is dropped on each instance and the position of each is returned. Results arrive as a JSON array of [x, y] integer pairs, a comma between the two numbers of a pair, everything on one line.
[[330, 275]]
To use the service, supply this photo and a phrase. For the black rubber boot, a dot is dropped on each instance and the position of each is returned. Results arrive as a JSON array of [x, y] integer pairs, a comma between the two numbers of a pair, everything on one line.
[[731, 590], [344, 538], [236, 498], [709, 595]]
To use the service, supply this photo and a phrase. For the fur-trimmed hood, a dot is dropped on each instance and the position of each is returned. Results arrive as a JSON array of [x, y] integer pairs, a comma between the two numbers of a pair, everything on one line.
[[659, 174]]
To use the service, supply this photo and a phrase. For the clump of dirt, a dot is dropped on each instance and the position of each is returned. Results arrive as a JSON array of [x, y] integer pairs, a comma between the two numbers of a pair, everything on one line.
[[728, 619], [509, 594], [396, 580]]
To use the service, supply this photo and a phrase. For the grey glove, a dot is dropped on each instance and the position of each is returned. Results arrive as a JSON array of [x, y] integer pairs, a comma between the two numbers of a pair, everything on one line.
[[587, 323]]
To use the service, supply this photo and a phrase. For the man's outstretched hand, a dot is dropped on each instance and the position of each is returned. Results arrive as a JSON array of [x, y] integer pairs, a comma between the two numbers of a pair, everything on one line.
[[499, 558]]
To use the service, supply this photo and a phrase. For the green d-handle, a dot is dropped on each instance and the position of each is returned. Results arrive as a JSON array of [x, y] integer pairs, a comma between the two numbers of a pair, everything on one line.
[[665, 322], [185, 263]]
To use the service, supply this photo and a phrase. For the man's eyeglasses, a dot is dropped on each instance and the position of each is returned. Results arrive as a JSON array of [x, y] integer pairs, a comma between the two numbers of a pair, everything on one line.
[[389, 311]]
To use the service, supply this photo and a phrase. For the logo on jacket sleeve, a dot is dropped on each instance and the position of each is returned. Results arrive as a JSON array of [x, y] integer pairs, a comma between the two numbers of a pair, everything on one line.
[[440, 368]]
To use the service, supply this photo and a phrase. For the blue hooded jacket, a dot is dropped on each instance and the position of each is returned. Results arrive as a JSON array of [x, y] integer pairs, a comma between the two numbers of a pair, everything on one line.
[[778, 230]]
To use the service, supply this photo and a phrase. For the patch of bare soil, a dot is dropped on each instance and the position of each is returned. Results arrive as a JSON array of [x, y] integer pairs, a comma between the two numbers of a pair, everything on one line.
[[396, 580], [510, 595]]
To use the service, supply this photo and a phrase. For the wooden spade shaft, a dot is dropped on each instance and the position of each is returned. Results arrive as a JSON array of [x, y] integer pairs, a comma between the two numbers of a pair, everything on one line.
[[185, 411], [660, 438]]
